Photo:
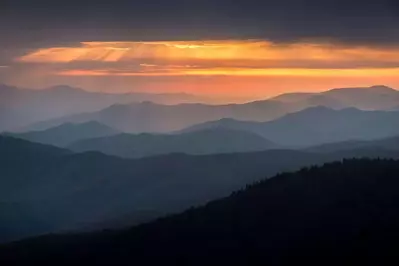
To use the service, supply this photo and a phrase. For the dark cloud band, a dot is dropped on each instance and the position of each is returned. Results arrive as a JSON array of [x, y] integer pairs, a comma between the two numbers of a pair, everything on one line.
[[41, 23]]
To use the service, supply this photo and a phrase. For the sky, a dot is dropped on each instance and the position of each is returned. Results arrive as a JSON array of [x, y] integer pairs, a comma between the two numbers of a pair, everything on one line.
[[233, 48]]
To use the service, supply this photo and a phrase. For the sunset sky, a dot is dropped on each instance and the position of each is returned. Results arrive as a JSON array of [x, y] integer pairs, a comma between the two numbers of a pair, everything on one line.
[[249, 49]]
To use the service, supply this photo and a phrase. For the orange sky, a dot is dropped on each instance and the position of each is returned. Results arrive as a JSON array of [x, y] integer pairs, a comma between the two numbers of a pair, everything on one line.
[[248, 69]]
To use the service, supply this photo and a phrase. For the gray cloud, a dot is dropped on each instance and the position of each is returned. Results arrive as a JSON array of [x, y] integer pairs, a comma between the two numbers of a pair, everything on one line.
[[47, 23]]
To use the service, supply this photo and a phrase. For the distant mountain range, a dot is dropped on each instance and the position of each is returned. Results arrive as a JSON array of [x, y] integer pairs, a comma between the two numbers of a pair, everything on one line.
[[391, 143], [338, 214], [369, 98], [345, 130], [311, 127], [21, 107], [158, 118], [316, 125], [209, 141], [67, 134], [46, 189]]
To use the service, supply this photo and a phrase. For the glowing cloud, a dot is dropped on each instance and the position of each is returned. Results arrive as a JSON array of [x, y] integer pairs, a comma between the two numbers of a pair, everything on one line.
[[205, 50], [227, 58], [366, 72]]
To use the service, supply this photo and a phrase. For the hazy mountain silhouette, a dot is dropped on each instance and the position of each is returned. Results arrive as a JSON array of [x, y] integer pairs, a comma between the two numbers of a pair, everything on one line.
[[68, 133], [151, 117], [21, 107], [225, 123], [47, 189], [317, 125], [391, 143], [370, 98], [207, 141], [31, 151], [340, 213], [10, 118]]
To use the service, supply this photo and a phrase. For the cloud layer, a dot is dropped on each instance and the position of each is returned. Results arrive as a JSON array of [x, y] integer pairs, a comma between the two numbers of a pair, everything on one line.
[[243, 58], [269, 45]]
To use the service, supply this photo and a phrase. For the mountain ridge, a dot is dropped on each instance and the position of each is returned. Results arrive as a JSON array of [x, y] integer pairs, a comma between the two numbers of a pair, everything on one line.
[[376, 97], [316, 125], [67, 133], [159, 118], [35, 105], [208, 141]]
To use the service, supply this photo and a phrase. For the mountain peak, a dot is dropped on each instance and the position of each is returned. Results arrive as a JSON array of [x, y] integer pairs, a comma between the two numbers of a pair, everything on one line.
[[227, 120], [381, 88], [374, 88]]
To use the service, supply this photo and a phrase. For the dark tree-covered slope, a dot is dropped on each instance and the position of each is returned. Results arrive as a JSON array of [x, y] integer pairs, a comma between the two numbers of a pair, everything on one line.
[[343, 212]]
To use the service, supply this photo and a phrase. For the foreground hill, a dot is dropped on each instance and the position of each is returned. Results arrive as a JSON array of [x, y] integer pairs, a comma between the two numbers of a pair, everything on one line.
[[317, 125], [68, 133], [47, 189], [340, 213], [209, 141]]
